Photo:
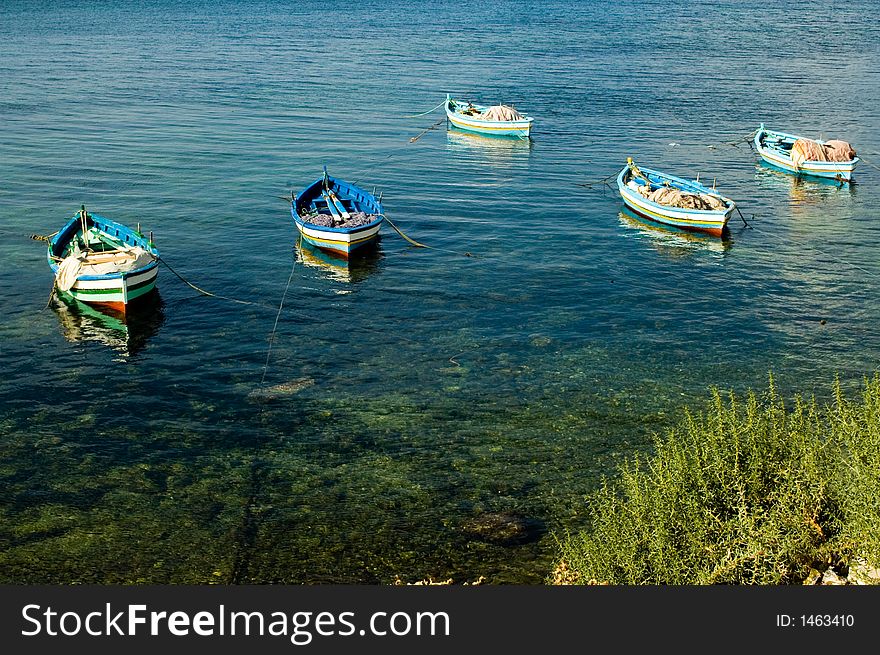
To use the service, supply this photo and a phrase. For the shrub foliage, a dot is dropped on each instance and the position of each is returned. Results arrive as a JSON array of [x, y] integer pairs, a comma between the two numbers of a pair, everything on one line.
[[746, 492]]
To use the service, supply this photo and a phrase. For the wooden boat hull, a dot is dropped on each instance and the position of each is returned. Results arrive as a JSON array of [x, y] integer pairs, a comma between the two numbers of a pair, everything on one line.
[[707, 222], [340, 241], [336, 241], [114, 290], [518, 128], [839, 171]]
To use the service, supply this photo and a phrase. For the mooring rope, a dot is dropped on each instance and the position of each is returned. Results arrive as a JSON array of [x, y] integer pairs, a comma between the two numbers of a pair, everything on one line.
[[427, 112], [202, 291], [51, 293], [872, 165], [251, 519], [382, 160], [743, 139], [275, 325], [713, 146], [425, 131], [422, 245], [377, 163], [603, 182]]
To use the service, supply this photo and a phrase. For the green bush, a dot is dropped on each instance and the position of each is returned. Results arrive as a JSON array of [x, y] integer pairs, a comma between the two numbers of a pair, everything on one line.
[[856, 483], [744, 493]]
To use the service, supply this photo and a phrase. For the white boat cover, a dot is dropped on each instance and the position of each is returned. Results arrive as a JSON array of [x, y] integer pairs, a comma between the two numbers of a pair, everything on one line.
[[68, 271], [99, 263]]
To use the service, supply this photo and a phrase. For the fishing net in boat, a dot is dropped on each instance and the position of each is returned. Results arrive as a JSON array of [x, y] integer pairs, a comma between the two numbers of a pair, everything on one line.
[[501, 113], [839, 151], [808, 150], [324, 220], [671, 197]]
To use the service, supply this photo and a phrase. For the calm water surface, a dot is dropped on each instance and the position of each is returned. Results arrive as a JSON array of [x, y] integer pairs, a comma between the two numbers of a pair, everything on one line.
[[439, 415]]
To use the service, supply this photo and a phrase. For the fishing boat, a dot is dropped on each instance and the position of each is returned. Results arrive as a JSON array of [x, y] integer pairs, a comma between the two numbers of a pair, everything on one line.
[[500, 120], [99, 261], [337, 216], [777, 149], [685, 204]]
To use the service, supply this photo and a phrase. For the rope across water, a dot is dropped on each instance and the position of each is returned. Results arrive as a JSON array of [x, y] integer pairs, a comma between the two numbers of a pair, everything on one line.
[[202, 291], [422, 245], [275, 325], [425, 113]]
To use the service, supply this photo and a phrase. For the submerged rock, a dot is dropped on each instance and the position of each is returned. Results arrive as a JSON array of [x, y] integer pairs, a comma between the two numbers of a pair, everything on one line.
[[540, 340], [280, 390], [503, 528]]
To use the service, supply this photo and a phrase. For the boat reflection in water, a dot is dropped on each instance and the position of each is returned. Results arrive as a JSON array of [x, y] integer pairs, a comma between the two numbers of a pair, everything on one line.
[[338, 268], [819, 206], [487, 149], [803, 191], [126, 333], [671, 241]]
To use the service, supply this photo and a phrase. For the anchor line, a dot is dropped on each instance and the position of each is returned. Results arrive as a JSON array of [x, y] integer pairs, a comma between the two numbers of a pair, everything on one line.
[[277, 317], [871, 164], [202, 291], [417, 244], [250, 521], [425, 113], [426, 130]]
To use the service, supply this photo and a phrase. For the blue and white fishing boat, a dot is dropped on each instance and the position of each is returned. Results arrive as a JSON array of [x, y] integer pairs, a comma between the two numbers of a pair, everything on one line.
[[695, 206], [499, 120], [775, 148], [96, 260], [337, 216]]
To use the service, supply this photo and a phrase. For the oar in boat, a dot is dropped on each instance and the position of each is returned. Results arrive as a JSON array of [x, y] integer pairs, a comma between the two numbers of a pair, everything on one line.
[[84, 227], [331, 206], [332, 201], [339, 205]]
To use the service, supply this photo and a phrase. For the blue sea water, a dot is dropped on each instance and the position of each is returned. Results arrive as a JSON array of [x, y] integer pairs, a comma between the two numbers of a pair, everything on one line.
[[439, 415]]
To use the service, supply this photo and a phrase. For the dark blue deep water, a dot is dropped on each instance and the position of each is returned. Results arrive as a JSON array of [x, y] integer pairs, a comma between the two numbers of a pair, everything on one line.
[[439, 415]]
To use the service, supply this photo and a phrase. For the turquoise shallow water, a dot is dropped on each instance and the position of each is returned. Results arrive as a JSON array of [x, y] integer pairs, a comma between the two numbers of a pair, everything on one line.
[[444, 416]]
